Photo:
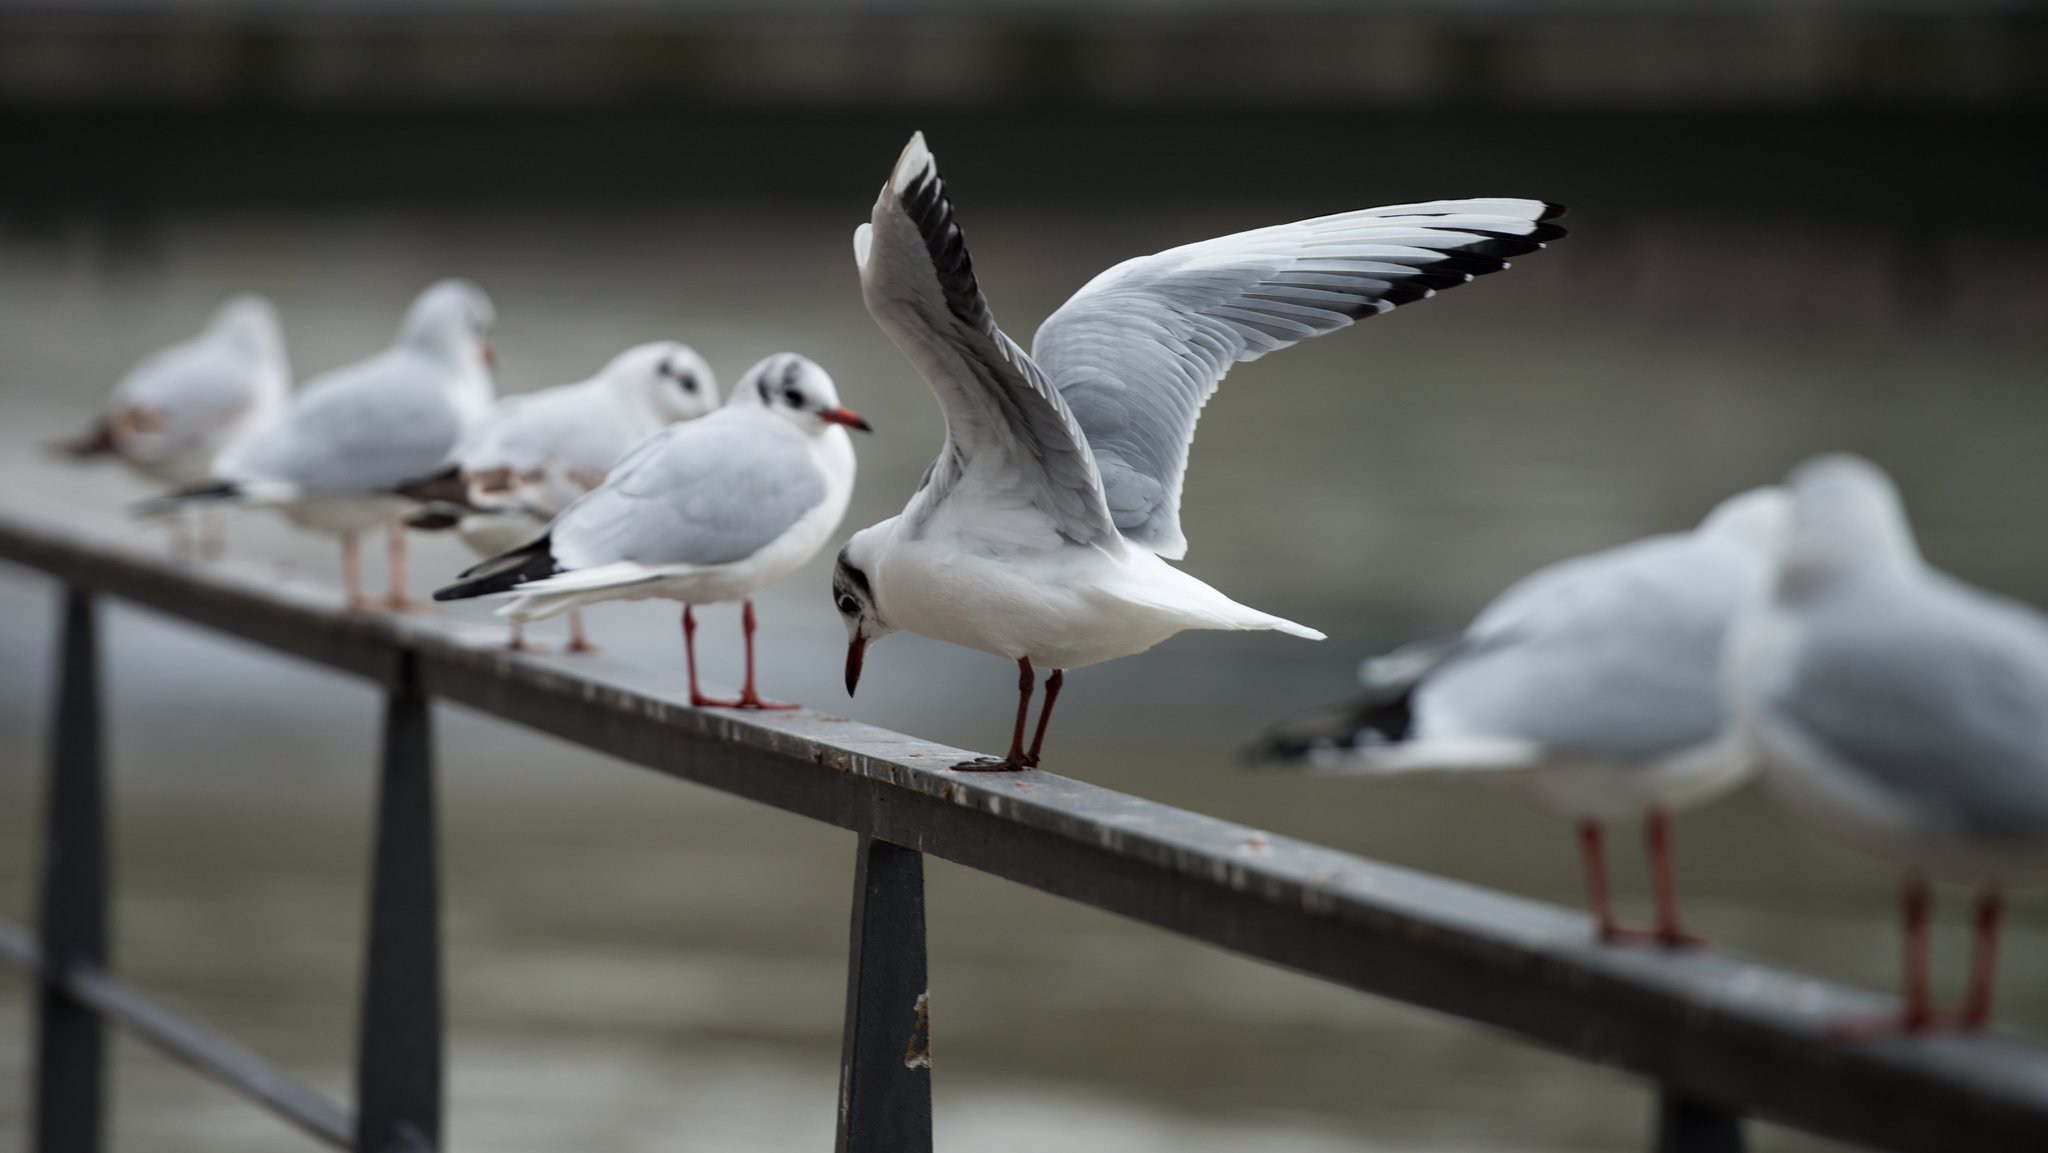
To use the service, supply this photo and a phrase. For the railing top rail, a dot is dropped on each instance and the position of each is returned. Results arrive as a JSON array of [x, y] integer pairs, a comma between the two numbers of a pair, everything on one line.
[[1711, 1027]]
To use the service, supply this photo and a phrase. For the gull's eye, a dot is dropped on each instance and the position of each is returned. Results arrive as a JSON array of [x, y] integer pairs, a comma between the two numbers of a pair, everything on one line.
[[689, 383], [793, 398], [848, 605]]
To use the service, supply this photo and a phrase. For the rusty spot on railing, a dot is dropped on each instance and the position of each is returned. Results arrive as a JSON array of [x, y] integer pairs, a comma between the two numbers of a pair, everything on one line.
[[917, 1054]]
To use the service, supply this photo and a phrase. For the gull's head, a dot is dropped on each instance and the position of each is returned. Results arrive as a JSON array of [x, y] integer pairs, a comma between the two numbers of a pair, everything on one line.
[[451, 317], [250, 322], [667, 378], [1847, 520], [1756, 520], [853, 594], [797, 390]]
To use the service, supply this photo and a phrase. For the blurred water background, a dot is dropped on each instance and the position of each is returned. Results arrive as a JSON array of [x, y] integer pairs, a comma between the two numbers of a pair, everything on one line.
[[1788, 237]]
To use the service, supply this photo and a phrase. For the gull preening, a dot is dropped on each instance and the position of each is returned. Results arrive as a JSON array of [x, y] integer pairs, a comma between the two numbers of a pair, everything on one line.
[[1900, 711], [1042, 531], [1595, 684], [536, 452], [174, 412], [703, 511], [353, 436]]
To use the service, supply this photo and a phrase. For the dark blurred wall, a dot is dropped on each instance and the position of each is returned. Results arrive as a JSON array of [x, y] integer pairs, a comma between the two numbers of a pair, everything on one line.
[[1893, 146]]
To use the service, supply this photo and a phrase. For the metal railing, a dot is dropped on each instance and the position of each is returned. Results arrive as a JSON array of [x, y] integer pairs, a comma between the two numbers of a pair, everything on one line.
[[1722, 1037]]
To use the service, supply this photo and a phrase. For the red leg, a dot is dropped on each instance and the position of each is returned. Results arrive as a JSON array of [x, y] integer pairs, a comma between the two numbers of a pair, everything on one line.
[[1669, 932], [212, 536], [395, 597], [1593, 855], [352, 572], [1016, 761], [518, 642], [1919, 1009], [749, 699], [1983, 958], [697, 698], [1916, 1013], [1052, 694], [579, 641]]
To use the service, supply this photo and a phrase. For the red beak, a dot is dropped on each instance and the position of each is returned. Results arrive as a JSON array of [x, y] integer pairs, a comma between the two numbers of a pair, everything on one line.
[[846, 416], [856, 649], [490, 355]]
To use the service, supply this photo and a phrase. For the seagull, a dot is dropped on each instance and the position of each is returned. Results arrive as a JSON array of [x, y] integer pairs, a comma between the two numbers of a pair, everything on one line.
[[174, 412], [703, 511], [534, 453], [1042, 531], [1594, 683], [1899, 711], [334, 462]]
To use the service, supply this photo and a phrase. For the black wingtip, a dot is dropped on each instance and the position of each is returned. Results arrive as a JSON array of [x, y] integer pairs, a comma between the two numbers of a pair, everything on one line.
[[1380, 719], [446, 487], [523, 565], [1552, 210], [169, 502], [95, 441], [925, 202]]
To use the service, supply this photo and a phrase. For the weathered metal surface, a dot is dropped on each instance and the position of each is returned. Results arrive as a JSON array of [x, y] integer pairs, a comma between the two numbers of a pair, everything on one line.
[[1718, 1031], [70, 1069], [192, 1043], [885, 1062], [399, 1051]]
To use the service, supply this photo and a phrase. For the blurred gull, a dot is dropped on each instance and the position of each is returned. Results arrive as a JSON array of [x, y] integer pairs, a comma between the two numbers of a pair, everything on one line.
[[1595, 684], [703, 511], [533, 454], [1900, 711], [1041, 532], [174, 412], [354, 435]]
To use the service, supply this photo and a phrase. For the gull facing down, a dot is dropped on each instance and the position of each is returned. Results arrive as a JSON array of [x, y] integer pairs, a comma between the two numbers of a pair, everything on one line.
[[1041, 532], [177, 409], [535, 453], [1595, 684], [1900, 711], [703, 511], [353, 436]]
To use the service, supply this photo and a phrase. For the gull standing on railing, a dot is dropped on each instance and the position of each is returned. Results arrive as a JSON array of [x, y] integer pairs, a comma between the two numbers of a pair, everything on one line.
[[1901, 711], [1595, 684], [354, 435], [177, 409], [534, 453], [1041, 532], [703, 511]]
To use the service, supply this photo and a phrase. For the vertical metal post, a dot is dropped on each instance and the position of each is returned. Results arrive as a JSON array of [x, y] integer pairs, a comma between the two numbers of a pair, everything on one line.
[[70, 1038], [399, 1044], [1688, 1126], [885, 1063]]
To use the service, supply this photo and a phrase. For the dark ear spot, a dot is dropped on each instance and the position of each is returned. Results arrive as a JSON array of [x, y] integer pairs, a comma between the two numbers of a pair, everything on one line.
[[762, 386]]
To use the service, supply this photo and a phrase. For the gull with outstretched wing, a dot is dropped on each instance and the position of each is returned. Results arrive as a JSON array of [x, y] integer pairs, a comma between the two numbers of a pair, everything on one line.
[[1042, 531]]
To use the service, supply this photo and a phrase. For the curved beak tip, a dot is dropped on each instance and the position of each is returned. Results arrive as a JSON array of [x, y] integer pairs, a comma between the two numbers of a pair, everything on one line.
[[846, 416], [856, 650]]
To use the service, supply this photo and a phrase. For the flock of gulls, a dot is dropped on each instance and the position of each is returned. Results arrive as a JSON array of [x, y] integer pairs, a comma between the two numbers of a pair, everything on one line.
[[1796, 631]]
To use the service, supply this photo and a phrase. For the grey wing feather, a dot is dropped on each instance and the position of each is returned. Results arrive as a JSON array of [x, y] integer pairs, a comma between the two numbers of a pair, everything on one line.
[[1141, 348], [366, 428], [1614, 656], [1960, 731], [1001, 412], [701, 493]]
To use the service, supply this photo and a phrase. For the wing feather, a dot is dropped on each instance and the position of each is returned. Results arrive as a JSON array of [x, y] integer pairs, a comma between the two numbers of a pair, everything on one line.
[[1139, 350]]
